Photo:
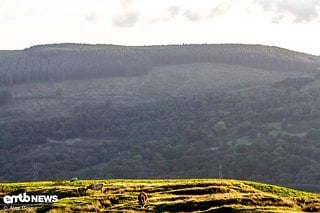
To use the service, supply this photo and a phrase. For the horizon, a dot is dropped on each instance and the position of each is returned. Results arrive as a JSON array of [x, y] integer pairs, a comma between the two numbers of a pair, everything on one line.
[[153, 45], [282, 23]]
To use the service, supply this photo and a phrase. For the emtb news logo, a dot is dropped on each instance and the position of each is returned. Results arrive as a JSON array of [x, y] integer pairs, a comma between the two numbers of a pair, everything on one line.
[[23, 198]]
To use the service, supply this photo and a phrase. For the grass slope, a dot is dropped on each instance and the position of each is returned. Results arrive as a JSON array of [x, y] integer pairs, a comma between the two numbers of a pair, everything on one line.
[[181, 195]]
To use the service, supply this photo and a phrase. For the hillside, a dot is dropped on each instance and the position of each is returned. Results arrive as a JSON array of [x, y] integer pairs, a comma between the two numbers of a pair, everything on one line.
[[74, 61], [184, 195], [191, 111]]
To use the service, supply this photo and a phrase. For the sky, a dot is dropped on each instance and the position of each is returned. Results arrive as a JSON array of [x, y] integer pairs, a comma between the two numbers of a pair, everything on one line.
[[292, 24]]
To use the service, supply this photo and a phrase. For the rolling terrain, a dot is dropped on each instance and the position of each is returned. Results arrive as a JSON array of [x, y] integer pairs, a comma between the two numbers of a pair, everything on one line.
[[190, 111], [75, 61], [183, 195]]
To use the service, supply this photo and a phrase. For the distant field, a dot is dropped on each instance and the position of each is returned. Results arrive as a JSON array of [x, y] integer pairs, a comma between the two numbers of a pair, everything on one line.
[[180, 195]]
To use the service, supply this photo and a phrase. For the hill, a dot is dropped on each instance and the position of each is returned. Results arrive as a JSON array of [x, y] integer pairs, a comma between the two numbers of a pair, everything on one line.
[[104, 111], [74, 61], [184, 195]]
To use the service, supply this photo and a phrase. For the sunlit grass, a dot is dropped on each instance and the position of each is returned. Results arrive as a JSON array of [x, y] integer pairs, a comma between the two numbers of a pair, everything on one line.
[[170, 195]]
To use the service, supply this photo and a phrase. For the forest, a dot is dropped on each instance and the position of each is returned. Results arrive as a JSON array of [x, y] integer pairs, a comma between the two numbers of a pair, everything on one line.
[[76, 61], [259, 130]]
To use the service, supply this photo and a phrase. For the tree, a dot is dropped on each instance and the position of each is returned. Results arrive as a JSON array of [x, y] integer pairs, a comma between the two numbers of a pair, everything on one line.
[[5, 97], [284, 124], [220, 128], [59, 92], [313, 134]]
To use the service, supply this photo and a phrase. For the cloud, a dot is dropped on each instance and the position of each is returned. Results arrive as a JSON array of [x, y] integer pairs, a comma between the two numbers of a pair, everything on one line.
[[277, 18], [128, 19], [28, 12], [91, 18], [127, 3], [167, 15], [300, 11], [174, 11], [191, 15], [219, 10]]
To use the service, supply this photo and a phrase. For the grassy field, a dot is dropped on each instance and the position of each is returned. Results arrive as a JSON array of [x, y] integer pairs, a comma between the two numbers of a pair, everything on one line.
[[180, 195]]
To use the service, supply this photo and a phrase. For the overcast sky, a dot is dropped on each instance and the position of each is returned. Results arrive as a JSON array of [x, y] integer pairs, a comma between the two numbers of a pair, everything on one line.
[[293, 24]]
